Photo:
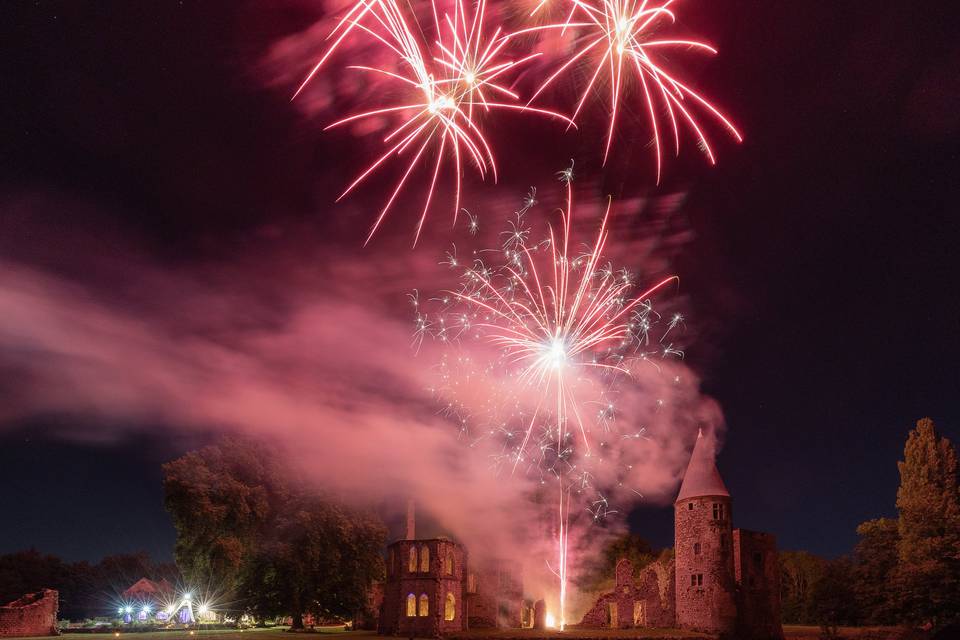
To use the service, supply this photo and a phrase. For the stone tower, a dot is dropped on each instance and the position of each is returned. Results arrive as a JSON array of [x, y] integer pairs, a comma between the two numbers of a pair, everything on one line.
[[705, 584]]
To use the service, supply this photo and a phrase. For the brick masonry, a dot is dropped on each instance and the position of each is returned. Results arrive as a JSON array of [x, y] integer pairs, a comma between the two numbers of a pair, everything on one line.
[[35, 614]]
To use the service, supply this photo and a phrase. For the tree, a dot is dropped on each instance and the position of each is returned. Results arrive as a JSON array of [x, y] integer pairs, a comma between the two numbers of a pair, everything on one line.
[[223, 499], [875, 570], [800, 571], [929, 527], [832, 598], [277, 546], [322, 559]]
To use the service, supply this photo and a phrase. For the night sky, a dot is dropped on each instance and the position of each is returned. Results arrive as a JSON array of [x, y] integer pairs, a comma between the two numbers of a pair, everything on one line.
[[822, 271]]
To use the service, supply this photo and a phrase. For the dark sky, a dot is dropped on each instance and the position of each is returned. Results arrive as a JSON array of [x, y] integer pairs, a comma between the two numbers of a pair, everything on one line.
[[823, 269]]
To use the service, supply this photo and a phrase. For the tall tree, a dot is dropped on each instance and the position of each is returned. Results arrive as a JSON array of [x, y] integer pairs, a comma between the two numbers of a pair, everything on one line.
[[326, 556], [929, 527], [277, 546], [832, 601], [223, 498], [875, 570], [800, 571]]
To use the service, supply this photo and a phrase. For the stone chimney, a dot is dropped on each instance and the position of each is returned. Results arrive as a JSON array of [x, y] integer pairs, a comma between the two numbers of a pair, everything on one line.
[[411, 520]]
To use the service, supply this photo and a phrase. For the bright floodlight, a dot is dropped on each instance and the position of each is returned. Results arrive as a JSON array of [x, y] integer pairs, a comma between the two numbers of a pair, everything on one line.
[[128, 609], [187, 595], [203, 609]]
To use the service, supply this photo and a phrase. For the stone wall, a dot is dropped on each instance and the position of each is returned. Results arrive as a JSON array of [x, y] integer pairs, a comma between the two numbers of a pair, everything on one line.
[[437, 578], [705, 587], [757, 571], [644, 601], [494, 595], [34, 614]]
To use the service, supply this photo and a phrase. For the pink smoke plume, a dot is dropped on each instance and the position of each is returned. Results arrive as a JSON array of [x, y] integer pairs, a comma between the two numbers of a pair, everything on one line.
[[319, 359]]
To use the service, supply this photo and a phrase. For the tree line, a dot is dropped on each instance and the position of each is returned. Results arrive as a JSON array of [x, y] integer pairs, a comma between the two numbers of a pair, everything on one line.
[[903, 570]]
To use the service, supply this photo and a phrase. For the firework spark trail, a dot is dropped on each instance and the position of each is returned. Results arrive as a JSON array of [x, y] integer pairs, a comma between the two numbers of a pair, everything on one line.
[[443, 93], [613, 34], [566, 327]]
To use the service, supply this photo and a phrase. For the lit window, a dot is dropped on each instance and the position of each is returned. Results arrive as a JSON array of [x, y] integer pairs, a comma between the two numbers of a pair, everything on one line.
[[424, 558], [717, 511], [424, 605], [411, 605], [412, 567], [450, 608], [448, 563], [696, 548]]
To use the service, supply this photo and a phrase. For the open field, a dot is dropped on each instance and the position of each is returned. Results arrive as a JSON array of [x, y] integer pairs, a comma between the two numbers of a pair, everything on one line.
[[792, 632], [479, 634], [800, 632]]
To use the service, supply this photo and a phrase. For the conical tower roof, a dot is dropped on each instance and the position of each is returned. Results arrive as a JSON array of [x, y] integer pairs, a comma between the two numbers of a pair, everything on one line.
[[702, 477]]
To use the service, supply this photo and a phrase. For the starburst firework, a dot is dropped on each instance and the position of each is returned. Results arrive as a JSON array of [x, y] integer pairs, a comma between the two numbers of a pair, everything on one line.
[[568, 329], [441, 94], [618, 39]]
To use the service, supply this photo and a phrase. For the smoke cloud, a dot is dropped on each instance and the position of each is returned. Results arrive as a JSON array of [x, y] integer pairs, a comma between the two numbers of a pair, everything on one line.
[[310, 345]]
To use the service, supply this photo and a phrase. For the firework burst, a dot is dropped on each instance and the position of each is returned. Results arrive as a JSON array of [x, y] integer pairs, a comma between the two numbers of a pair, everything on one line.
[[567, 330], [620, 40], [444, 87]]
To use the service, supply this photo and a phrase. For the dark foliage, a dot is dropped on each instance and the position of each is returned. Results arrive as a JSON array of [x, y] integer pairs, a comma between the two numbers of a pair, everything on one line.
[[272, 546]]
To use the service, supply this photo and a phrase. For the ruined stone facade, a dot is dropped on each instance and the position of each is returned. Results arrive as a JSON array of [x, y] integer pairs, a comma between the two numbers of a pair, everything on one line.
[[644, 601], [723, 581], [757, 571], [423, 591], [494, 597], [35, 614], [431, 590]]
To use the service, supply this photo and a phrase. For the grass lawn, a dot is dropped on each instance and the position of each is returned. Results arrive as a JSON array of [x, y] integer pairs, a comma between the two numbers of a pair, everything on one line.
[[792, 632], [478, 634], [801, 632], [572, 634]]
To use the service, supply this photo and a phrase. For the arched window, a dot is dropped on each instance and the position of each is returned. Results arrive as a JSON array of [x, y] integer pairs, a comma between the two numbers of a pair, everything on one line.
[[424, 605], [471, 583], [424, 558], [412, 567], [411, 605], [696, 548], [450, 608], [448, 563]]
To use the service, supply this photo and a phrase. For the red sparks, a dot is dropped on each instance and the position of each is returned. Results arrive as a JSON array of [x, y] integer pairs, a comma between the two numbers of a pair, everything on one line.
[[447, 84], [618, 38], [443, 94]]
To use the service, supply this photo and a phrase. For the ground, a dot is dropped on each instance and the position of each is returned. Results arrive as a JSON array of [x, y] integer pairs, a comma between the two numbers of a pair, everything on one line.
[[792, 632]]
